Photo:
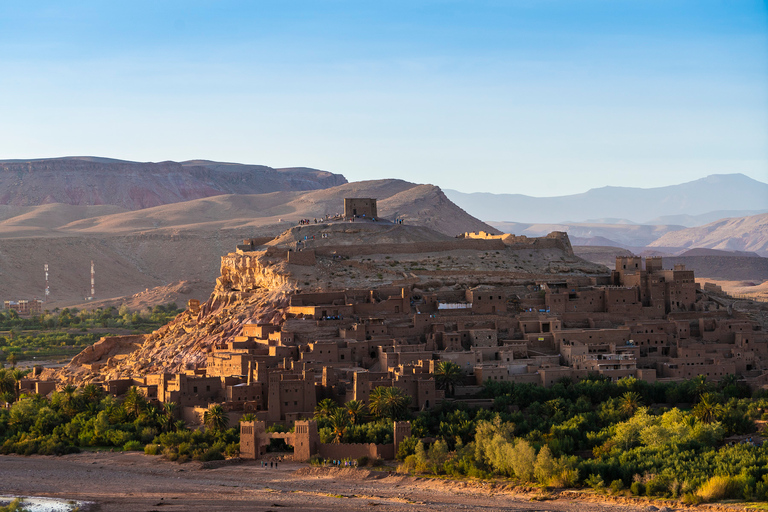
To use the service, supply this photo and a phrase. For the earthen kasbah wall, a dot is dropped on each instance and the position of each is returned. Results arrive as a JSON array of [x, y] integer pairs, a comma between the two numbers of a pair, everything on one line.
[[306, 257], [341, 451], [554, 240], [422, 247], [471, 241]]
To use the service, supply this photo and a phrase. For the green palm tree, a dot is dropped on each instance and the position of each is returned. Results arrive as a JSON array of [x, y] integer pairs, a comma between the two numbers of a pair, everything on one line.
[[7, 381], [7, 397], [339, 421], [447, 375], [388, 402], [630, 402], [134, 402], [249, 416], [356, 410], [325, 408], [10, 383], [700, 384], [168, 419], [216, 419], [91, 393], [708, 410]]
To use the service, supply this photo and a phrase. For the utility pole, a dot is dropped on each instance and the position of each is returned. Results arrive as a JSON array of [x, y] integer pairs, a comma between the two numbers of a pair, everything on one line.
[[47, 288]]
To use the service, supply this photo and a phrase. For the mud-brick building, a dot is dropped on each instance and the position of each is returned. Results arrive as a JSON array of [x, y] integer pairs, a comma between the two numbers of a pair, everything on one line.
[[360, 207]]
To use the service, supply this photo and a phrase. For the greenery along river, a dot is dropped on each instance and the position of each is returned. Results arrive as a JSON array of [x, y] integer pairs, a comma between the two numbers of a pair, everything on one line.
[[62, 334], [661, 439]]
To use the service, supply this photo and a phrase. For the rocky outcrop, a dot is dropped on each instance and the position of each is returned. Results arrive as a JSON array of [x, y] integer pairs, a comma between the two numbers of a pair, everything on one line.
[[251, 289], [107, 347]]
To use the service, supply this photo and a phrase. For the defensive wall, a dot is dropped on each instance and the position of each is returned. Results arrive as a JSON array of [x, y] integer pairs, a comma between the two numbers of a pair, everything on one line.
[[471, 244], [305, 440]]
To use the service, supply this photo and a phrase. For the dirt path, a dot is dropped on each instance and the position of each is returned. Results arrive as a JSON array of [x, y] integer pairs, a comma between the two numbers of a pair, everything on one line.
[[135, 482]]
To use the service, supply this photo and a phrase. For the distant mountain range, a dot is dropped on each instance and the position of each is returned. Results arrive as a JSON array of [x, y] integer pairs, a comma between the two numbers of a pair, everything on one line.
[[688, 204], [88, 181], [741, 234]]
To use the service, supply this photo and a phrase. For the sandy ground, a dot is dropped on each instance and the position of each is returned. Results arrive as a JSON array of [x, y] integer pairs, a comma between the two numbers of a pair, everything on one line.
[[135, 482]]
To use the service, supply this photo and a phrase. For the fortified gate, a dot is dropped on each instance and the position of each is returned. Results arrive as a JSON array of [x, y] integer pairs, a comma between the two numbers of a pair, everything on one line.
[[305, 440]]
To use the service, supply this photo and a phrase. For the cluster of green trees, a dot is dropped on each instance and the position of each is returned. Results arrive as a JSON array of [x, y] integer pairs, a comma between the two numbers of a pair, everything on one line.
[[74, 419], [661, 439], [611, 436], [64, 333], [152, 317], [356, 422], [43, 345]]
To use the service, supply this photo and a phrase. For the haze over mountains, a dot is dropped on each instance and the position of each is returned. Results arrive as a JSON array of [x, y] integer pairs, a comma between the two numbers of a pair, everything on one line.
[[688, 204]]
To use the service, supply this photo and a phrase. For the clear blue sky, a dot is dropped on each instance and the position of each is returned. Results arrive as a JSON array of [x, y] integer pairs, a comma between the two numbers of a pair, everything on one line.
[[537, 97]]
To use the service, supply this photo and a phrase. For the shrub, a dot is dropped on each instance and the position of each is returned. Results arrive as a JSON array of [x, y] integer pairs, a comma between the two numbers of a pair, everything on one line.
[[152, 449], [212, 453], [316, 460], [657, 486], [363, 461], [170, 453], [132, 446], [16, 505], [691, 498], [596, 482], [378, 462], [407, 447], [148, 434], [232, 450], [617, 486], [637, 488], [718, 488]]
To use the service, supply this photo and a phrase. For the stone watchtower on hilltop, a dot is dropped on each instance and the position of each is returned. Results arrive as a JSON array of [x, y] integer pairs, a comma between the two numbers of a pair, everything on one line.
[[360, 207]]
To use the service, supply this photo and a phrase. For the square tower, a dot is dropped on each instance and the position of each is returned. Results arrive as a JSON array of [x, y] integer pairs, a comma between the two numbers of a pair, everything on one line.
[[360, 207]]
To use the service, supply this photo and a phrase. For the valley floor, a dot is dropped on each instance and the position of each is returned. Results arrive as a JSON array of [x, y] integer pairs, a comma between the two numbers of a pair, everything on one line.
[[133, 481]]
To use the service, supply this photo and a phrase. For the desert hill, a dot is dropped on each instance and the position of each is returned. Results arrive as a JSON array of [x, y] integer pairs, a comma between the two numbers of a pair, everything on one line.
[[718, 192], [740, 234], [137, 250], [424, 205], [135, 185]]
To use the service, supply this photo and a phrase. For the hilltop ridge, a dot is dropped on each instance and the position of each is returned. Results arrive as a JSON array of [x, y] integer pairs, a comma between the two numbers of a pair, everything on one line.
[[137, 185]]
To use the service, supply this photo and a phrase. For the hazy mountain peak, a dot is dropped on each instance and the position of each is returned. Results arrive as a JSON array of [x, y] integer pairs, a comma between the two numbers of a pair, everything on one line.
[[717, 192]]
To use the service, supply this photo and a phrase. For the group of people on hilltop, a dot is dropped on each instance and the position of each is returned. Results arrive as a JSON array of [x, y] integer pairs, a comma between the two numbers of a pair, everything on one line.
[[305, 222]]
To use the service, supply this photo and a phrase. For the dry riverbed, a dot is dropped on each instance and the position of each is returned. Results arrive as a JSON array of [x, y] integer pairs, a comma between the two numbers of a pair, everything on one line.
[[136, 482]]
